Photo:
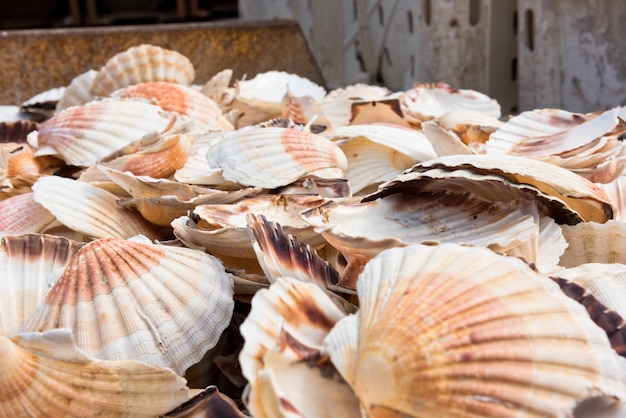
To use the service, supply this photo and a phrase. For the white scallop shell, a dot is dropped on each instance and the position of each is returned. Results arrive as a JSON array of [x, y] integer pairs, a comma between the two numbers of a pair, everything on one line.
[[591, 242], [89, 209], [158, 304], [78, 92], [142, 63]]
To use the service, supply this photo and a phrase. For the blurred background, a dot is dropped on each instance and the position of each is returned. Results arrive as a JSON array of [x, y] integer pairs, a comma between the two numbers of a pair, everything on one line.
[[527, 54]]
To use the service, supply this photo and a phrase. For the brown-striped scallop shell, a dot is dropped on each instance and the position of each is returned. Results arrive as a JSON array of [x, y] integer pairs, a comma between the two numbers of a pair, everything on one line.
[[88, 209], [85, 135], [209, 403], [45, 375], [28, 266], [158, 304], [283, 333], [282, 255], [463, 332], [274, 157], [139, 64], [177, 98], [578, 193]]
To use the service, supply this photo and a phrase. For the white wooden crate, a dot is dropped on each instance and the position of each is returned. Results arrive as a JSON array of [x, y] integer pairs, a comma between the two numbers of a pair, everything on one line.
[[572, 54]]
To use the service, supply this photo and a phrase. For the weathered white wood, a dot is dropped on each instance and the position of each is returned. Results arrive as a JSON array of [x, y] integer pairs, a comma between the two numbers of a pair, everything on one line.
[[578, 57]]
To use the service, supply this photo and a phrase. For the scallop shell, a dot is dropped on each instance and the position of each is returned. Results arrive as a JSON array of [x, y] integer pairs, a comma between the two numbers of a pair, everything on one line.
[[217, 87], [601, 288], [28, 264], [209, 403], [21, 214], [140, 64], [77, 93], [88, 209], [282, 255], [379, 111], [616, 191], [444, 142], [549, 132], [43, 105], [85, 135], [45, 375], [16, 131], [223, 229], [266, 90], [286, 327], [472, 127], [427, 101], [578, 193], [158, 304], [591, 242], [455, 331], [176, 98], [18, 159], [273, 157], [316, 186], [160, 159], [196, 169]]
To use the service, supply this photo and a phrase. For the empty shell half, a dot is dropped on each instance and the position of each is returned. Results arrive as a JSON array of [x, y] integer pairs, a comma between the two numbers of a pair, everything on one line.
[[157, 304]]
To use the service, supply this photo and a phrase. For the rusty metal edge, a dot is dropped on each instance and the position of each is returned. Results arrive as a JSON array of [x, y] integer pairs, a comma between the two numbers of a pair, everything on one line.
[[34, 60]]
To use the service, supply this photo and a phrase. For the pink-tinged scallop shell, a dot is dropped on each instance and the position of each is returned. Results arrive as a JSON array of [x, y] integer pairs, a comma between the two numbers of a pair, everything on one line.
[[281, 255], [457, 331], [45, 375], [283, 335], [17, 159], [177, 98], [89, 209], [140, 64], [160, 159], [223, 229], [21, 214], [591, 242], [28, 266], [158, 304], [578, 193], [274, 157], [85, 135], [78, 92], [427, 101]]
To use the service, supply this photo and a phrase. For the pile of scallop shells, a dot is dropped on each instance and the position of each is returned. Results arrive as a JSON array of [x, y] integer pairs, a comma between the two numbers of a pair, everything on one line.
[[266, 248]]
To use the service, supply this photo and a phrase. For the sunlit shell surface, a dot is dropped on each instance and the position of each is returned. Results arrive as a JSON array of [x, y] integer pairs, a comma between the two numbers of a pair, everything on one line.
[[616, 191], [488, 337], [16, 159], [28, 265], [158, 304], [444, 142], [578, 193], [177, 98], [285, 328], [427, 101], [78, 92], [267, 89], [472, 127], [223, 229], [89, 209], [21, 214], [592, 242], [139, 64], [85, 135], [274, 157], [45, 375], [196, 169]]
